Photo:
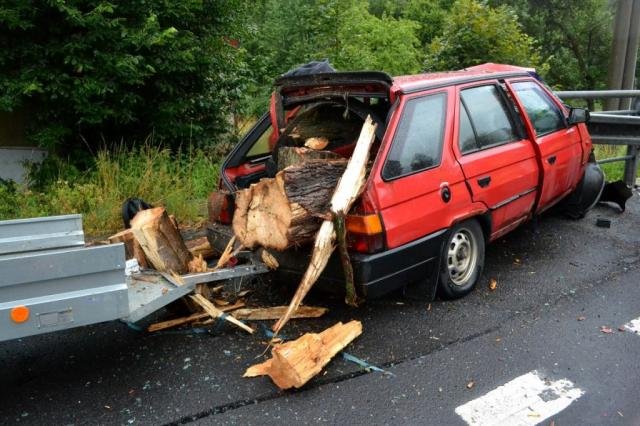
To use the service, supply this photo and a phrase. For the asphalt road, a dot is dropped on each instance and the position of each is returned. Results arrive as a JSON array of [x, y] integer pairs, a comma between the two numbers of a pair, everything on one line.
[[558, 283]]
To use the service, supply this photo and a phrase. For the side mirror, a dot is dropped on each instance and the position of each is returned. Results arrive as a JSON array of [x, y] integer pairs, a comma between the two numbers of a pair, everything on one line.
[[578, 115]]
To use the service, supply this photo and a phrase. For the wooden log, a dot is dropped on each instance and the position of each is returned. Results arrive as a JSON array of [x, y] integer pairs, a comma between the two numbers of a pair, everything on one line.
[[285, 211], [294, 363], [275, 312], [161, 241], [291, 156], [200, 246], [317, 143], [132, 248], [349, 188]]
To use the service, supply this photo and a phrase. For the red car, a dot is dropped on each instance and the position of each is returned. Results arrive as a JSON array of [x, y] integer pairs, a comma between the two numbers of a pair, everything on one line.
[[461, 158]]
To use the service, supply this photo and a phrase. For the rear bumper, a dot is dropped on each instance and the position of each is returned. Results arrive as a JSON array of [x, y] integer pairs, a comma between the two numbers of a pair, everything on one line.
[[374, 274]]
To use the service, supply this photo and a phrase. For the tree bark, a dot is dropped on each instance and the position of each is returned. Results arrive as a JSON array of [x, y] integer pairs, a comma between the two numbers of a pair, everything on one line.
[[161, 241], [285, 211]]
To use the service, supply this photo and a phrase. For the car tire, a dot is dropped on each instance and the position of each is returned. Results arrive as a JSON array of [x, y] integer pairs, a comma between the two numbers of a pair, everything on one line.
[[462, 259]]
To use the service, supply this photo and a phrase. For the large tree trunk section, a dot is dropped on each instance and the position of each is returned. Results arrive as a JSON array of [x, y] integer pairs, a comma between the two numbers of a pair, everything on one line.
[[349, 188], [285, 211], [132, 248], [295, 363], [161, 241]]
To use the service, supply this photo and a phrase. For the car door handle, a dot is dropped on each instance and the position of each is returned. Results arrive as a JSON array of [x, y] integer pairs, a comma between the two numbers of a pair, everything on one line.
[[484, 181], [551, 160]]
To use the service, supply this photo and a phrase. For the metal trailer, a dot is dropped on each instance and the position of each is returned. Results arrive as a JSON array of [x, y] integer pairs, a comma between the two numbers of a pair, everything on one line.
[[51, 281]]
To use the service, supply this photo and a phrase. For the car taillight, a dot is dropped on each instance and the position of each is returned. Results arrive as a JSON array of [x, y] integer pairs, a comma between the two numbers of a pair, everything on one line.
[[365, 233]]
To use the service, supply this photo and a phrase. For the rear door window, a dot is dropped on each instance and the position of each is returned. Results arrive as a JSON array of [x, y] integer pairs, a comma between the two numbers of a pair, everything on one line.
[[545, 115], [488, 119], [417, 144]]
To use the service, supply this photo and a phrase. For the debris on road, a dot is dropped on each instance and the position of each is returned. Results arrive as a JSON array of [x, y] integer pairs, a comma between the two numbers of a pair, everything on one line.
[[214, 312], [603, 223], [617, 192], [294, 363], [191, 318], [581, 318], [605, 329], [471, 384], [493, 284]]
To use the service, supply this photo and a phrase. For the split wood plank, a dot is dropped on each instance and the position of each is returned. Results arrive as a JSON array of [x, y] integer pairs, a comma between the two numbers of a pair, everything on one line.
[[275, 312], [191, 318], [214, 312]]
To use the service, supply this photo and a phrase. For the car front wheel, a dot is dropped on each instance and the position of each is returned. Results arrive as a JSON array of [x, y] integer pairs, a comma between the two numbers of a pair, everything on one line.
[[462, 259]]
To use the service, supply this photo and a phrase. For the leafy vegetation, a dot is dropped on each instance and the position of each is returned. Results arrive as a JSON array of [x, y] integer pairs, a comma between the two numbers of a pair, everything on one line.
[[92, 71], [97, 78], [475, 33], [180, 181]]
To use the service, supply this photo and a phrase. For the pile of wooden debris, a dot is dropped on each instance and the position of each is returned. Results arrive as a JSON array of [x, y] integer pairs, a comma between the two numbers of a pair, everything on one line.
[[306, 201]]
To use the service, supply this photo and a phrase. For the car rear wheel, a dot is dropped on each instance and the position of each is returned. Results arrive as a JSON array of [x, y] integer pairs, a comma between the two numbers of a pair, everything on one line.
[[462, 259]]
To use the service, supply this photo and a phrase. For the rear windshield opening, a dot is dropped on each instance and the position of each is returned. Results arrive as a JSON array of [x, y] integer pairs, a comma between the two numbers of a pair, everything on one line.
[[329, 125]]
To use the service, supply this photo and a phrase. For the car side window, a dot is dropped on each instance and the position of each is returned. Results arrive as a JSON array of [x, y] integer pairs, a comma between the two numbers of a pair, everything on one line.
[[488, 116], [261, 145], [417, 144], [545, 116], [467, 138]]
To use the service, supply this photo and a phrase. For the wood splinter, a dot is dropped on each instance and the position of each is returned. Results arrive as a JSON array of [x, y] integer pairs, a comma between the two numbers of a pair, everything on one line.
[[294, 363]]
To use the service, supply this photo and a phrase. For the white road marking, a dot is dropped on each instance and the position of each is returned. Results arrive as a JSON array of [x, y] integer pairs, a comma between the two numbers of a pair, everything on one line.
[[525, 400], [633, 325]]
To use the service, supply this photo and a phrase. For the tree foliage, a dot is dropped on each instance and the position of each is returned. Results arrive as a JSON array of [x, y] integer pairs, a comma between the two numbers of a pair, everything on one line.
[[112, 70], [575, 38], [381, 43], [97, 70], [287, 33], [475, 33]]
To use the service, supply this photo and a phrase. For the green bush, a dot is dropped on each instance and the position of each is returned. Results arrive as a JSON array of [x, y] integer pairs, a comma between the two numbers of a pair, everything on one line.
[[89, 71]]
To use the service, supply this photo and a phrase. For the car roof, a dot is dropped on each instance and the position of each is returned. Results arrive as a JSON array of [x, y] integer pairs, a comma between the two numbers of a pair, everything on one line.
[[413, 83]]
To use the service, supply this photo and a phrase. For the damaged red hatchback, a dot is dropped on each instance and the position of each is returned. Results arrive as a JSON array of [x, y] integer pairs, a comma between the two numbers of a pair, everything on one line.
[[460, 159]]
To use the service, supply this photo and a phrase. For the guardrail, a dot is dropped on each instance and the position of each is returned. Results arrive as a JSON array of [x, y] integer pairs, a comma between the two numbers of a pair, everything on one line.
[[614, 127]]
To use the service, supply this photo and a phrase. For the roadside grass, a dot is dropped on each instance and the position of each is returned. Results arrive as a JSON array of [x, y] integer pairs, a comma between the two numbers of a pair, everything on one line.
[[612, 171], [179, 181]]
